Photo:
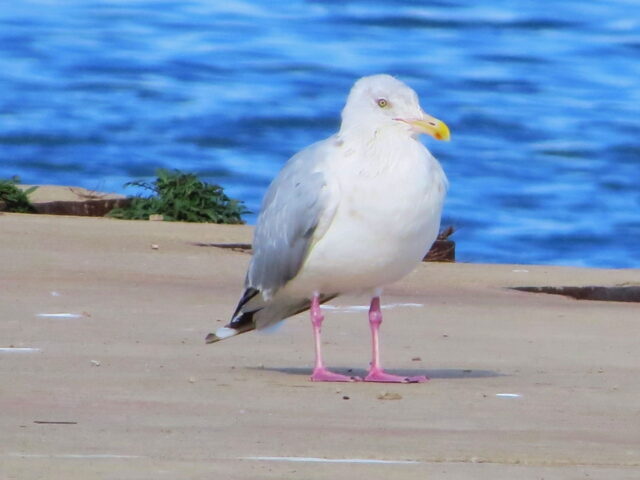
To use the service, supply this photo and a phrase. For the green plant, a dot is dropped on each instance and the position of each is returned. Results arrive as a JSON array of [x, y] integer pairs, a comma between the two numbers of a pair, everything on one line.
[[182, 197], [12, 199]]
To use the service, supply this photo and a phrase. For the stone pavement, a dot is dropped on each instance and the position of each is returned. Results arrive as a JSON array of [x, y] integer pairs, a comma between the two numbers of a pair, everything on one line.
[[104, 373]]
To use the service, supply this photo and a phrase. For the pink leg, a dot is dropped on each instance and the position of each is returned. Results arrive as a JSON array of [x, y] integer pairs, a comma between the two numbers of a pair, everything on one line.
[[376, 373], [320, 373]]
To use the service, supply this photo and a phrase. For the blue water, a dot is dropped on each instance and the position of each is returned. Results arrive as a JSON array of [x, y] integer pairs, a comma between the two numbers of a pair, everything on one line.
[[542, 99]]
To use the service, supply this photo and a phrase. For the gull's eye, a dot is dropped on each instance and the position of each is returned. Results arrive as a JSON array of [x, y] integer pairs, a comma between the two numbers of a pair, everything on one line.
[[383, 103]]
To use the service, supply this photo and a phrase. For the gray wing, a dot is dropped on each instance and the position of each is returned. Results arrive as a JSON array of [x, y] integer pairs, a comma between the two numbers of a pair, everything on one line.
[[292, 208], [296, 210]]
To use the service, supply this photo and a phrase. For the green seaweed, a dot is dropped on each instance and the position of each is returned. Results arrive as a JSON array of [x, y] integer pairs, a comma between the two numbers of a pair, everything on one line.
[[182, 197], [13, 199]]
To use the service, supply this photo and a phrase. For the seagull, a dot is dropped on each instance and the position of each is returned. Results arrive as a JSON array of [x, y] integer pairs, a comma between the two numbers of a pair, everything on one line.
[[354, 212]]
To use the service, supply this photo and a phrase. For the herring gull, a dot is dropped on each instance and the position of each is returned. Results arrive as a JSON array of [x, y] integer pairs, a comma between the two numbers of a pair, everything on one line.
[[354, 212]]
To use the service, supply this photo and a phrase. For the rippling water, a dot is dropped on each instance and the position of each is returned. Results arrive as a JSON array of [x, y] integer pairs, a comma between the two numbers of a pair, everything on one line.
[[542, 99]]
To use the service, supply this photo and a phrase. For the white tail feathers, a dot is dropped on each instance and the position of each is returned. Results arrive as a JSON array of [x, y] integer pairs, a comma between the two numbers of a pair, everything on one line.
[[221, 334], [226, 332]]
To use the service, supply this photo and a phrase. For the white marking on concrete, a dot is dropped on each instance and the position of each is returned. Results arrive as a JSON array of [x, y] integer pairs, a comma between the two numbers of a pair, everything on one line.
[[331, 460], [508, 395], [71, 455], [55, 294], [520, 270], [60, 315], [364, 308], [396, 305], [19, 349]]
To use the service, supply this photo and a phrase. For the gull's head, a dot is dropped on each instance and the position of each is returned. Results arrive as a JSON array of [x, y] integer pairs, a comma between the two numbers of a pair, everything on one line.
[[383, 102]]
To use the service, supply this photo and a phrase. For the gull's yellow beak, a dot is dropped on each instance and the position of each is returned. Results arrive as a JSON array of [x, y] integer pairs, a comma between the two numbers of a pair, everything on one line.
[[431, 126]]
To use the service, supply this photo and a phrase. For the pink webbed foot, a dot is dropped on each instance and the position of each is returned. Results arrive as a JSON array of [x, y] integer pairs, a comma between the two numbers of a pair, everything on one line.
[[324, 375], [379, 375], [376, 373]]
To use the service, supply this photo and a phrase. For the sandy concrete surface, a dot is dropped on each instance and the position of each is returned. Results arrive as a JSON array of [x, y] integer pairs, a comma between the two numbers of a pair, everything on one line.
[[144, 397], [57, 193]]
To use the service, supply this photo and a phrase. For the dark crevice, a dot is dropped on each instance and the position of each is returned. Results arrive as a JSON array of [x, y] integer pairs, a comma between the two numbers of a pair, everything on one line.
[[602, 294]]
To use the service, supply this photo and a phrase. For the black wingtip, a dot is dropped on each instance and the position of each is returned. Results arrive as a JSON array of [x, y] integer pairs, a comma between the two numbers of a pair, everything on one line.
[[248, 294]]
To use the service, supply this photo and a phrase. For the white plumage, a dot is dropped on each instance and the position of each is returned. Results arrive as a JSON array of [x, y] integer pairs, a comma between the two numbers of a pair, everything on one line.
[[354, 212]]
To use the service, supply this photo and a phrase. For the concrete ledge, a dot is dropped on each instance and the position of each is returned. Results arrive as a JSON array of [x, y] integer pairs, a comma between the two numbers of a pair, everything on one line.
[[59, 200], [105, 373]]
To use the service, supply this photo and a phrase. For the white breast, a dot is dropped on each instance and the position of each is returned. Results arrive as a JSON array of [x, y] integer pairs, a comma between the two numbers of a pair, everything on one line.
[[388, 216]]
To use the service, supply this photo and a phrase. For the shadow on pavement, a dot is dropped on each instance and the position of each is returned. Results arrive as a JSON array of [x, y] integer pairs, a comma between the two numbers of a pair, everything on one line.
[[445, 373]]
